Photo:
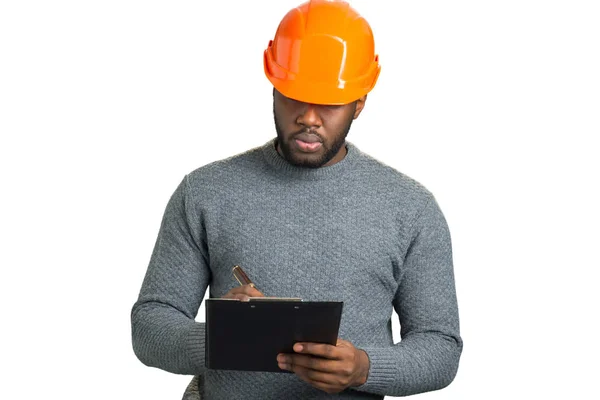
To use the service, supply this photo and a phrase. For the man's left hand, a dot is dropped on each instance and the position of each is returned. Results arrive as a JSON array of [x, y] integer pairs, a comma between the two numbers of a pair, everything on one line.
[[328, 368]]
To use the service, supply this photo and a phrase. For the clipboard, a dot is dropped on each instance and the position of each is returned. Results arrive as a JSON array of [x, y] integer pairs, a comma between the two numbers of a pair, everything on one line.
[[248, 335]]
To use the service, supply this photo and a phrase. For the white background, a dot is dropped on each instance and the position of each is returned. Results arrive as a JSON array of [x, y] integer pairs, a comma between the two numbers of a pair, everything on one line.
[[105, 105]]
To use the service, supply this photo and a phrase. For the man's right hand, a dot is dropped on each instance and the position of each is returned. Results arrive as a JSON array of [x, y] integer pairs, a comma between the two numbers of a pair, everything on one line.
[[243, 293]]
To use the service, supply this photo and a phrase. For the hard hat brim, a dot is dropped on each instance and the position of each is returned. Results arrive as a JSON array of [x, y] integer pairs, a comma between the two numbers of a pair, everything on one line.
[[327, 93]]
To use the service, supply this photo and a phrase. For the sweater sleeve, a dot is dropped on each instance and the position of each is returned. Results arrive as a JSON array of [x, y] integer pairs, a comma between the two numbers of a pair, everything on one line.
[[428, 354], [164, 331]]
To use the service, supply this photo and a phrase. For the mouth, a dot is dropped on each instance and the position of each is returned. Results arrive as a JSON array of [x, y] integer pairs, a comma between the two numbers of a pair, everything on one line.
[[308, 147], [308, 142]]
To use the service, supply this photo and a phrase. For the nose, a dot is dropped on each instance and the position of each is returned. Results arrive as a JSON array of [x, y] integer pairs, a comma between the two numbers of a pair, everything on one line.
[[310, 117]]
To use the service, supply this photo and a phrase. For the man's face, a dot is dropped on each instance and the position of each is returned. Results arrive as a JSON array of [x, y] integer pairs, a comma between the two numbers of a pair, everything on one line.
[[312, 135]]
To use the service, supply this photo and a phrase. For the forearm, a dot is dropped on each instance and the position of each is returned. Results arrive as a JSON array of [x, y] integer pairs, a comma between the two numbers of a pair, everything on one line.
[[164, 332], [421, 362], [427, 357], [165, 338]]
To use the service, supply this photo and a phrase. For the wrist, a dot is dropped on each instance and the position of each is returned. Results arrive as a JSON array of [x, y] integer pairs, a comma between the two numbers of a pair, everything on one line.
[[363, 368]]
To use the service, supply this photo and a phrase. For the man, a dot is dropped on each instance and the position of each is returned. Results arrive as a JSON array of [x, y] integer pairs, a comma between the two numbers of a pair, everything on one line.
[[309, 215]]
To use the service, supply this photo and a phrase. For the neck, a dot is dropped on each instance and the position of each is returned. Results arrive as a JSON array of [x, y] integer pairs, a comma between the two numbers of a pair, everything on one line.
[[335, 168], [339, 156]]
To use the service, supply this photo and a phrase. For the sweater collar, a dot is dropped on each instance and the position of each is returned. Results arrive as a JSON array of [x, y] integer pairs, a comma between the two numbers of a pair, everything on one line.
[[277, 162]]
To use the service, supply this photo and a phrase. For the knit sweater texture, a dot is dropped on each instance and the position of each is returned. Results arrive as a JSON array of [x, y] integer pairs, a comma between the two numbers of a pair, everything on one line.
[[357, 231]]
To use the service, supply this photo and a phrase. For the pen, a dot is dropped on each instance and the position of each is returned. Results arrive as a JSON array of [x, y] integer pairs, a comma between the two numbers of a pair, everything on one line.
[[241, 277]]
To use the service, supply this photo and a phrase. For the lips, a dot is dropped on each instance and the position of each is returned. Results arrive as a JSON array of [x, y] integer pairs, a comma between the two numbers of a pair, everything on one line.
[[308, 137], [308, 147], [308, 142]]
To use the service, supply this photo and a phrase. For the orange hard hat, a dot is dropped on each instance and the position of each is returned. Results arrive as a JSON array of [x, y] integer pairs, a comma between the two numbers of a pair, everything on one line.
[[323, 53]]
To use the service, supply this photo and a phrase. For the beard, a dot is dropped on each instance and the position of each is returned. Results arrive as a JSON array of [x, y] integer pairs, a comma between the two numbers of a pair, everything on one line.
[[331, 146]]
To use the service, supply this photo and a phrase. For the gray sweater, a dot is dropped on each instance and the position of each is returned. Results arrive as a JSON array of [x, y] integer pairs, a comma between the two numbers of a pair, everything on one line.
[[357, 231]]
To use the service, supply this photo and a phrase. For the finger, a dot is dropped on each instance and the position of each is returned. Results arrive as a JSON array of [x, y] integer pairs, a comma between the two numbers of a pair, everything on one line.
[[321, 350], [238, 296], [254, 292], [308, 362], [343, 343], [311, 375], [321, 380], [248, 290]]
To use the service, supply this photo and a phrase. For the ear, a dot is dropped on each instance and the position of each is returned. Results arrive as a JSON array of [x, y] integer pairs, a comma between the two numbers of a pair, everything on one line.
[[360, 104]]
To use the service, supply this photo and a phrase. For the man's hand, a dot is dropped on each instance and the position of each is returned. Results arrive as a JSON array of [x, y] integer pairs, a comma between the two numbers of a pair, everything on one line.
[[328, 368], [243, 292]]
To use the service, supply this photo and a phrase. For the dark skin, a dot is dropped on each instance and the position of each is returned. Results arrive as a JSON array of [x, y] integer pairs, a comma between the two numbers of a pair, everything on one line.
[[331, 369], [313, 136], [324, 127]]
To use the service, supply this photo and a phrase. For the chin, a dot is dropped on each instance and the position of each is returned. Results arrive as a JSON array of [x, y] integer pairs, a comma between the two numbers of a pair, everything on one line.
[[307, 161]]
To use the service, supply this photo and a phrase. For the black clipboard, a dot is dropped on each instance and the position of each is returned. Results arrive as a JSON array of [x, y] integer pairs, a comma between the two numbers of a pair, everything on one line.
[[248, 335]]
